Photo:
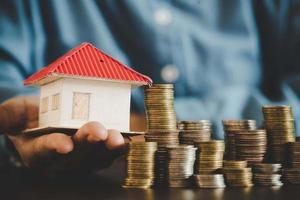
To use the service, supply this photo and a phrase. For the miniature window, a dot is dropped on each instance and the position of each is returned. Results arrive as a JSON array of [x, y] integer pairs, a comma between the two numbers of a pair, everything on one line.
[[55, 101], [81, 106], [45, 103]]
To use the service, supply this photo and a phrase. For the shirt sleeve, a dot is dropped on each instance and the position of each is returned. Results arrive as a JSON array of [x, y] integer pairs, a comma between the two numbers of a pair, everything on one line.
[[278, 31], [15, 59]]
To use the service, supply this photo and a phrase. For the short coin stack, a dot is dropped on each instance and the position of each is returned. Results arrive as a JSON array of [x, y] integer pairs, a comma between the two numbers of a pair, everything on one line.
[[209, 156], [292, 174], [279, 122], [163, 140], [209, 180], [237, 174], [251, 145], [140, 160], [191, 131], [266, 174], [231, 127], [180, 164], [161, 162], [294, 154]]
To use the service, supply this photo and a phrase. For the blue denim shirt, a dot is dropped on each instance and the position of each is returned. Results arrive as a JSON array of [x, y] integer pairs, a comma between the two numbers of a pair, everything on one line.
[[226, 57]]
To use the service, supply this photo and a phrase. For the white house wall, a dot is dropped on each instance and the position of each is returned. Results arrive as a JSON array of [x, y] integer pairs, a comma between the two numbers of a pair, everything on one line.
[[51, 117], [109, 103]]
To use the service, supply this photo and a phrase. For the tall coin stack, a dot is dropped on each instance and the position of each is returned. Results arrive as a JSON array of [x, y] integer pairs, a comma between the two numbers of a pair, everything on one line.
[[237, 174], [231, 127], [191, 131], [161, 117], [159, 103], [209, 156], [140, 160], [162, 125], [279, 122], [180, 165], [251, 145], [266, 174]]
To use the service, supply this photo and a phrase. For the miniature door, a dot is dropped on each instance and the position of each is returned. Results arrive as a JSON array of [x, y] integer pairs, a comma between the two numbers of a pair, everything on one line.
[[81, 106]]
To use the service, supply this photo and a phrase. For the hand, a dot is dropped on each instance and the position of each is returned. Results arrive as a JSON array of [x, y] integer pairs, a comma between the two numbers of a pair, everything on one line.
[[91, 147]]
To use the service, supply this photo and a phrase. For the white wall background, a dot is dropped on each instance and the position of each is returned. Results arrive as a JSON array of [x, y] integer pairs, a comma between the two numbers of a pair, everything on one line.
[[109, 103]]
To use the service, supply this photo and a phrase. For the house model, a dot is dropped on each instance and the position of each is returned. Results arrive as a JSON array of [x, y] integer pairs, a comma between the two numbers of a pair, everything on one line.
[[85, 85]]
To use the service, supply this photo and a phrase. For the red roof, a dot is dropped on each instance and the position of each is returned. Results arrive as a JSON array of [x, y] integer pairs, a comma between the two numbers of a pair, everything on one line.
[[86, 61]]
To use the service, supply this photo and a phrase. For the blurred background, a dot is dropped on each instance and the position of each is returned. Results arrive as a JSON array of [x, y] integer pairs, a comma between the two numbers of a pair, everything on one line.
[[226, 58]]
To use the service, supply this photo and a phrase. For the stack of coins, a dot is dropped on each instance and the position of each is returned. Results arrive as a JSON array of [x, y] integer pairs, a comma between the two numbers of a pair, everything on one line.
[[294, 154], [209, 157], [279, 122], [292, 175], [237, 174], [159, 103], [251, 145], [140, 164], [266, 174], [209, 181], [191, 131], [231, 127], [234, 164], [161, 162], [161, 117], [163, 138], [180, 164], [194, 125], [162, 125]]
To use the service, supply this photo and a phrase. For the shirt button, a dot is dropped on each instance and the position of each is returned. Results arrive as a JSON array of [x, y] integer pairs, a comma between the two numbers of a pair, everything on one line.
[[163, 16], [169, 73]]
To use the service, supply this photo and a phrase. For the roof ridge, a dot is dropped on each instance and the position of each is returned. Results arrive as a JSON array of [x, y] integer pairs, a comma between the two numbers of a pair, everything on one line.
[[115, 60]]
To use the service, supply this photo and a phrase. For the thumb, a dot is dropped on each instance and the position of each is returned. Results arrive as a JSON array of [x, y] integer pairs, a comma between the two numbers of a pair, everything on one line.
[[8, 118], [14, 114]]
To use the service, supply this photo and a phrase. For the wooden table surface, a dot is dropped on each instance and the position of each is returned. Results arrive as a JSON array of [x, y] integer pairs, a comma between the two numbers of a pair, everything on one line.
[[107, 185]]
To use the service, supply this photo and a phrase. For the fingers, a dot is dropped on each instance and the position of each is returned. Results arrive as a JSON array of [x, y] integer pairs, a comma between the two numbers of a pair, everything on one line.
[[55, 142], [94, 132], [114, 140], [91, 132], [100, 154], [18, 113], [35, 151], [91, 141], [10, 117]]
